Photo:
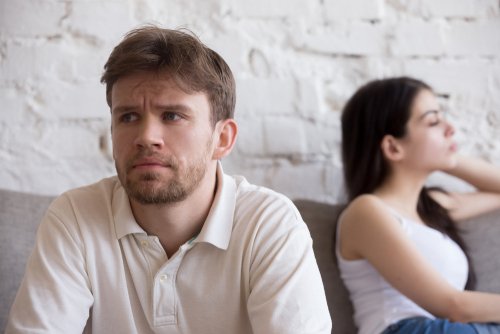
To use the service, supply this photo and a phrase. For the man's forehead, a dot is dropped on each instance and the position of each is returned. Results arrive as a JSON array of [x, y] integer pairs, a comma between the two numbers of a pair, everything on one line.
[[150, 83], [140, 81]]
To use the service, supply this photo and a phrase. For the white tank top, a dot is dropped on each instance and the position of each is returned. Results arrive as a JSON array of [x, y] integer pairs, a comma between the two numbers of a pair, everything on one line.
[[376, 303]]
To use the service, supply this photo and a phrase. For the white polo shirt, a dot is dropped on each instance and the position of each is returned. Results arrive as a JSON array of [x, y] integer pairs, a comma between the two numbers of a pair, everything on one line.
[[94, 269]]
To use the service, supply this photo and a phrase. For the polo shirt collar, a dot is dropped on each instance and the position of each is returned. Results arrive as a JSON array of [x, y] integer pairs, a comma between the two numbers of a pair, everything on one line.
[[219, 223], [124, 219], [217, 227]]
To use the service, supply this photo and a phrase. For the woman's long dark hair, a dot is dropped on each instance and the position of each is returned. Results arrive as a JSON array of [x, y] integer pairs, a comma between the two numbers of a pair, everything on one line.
[[379, 108]]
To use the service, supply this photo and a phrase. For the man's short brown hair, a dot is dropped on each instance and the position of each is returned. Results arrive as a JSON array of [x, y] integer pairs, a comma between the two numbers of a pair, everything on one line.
[[180, 54]]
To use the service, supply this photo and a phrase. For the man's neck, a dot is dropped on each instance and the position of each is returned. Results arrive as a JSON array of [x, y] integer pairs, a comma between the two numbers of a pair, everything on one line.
[[176, 223]]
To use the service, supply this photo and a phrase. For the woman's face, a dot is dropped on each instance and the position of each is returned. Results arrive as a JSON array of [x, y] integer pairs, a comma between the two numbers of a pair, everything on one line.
[[428, 143]]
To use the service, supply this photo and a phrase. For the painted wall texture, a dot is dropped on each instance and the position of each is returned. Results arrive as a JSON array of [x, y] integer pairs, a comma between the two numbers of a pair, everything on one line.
[[296, 63]]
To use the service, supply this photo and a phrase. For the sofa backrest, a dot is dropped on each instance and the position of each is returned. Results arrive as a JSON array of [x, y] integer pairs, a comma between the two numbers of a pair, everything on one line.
[[321, 219], [482, 239], [481, 236], [20, 214]]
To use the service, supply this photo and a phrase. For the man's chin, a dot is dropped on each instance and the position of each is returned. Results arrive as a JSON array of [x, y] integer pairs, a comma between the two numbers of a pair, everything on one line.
[[154, 193]]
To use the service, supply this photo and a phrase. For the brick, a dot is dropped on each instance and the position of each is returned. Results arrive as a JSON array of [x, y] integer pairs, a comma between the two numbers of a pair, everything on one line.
[[81, 61], [269, 9], [303, 180], [62, 100], [474, 38], [284, 136], [322, 136], [354, 9], [231, 47], [99, 21], [335, 191], [265, 96], [495, 102], [309, 98], [13, 105], [9, 180], [51, 157], [175, 13], [31, 18], [61, 156], [450, 75], [71, 142], [48, 140], [254, 169], [74, 61], [250, 141], [36, 58], [418, 38], [52, 178], [22, 136], [351, 38], [459, 8]]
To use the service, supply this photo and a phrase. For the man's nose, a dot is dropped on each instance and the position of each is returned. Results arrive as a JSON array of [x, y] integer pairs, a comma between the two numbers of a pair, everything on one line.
[[150, 133]]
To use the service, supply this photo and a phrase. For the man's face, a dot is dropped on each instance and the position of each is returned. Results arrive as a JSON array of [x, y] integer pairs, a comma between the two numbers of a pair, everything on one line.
[[162, 138]]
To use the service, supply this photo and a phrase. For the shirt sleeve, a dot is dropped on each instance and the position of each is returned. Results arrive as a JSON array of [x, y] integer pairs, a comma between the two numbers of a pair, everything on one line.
[[287, 294], [55, 294]]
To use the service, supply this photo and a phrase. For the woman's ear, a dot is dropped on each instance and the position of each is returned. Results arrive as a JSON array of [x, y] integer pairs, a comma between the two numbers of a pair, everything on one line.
[[226, 132], [391, 148]]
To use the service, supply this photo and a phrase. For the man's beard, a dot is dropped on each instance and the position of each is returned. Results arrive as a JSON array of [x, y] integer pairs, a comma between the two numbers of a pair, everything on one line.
[[151, 189]]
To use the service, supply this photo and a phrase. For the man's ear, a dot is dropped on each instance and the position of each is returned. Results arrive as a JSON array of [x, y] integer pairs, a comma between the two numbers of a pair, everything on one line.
[[226, 132], [392, 148]]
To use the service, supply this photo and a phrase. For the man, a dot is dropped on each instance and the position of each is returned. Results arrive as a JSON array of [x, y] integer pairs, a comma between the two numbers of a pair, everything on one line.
[[172, 244]]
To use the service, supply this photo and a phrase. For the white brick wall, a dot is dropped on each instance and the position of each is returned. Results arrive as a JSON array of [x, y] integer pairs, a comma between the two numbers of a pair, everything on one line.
[[296, 62]]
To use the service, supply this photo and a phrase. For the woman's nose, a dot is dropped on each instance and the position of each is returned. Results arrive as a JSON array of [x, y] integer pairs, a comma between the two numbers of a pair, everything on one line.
[[449, 130]]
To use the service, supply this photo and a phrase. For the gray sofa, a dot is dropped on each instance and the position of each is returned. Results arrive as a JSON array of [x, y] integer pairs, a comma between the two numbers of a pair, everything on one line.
[[20, 214]]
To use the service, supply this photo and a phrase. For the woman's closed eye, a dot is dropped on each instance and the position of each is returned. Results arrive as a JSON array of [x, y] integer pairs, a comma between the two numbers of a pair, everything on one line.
[[435, 122], [433, 117]]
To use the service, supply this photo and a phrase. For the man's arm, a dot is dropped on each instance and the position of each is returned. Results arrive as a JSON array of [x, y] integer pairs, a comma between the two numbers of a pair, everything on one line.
[[55, 294], [287, 294]]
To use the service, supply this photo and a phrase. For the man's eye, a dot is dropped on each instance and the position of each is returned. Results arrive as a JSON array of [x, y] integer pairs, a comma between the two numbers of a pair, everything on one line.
[[171, 116], [127, 118]]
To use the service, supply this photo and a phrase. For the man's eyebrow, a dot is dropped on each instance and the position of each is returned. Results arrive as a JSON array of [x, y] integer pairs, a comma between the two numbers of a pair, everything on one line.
[[163, 107], [173, 107], [123, 109]]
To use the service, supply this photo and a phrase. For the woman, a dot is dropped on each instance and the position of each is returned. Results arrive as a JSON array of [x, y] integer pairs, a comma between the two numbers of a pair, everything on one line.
[[397, 244]]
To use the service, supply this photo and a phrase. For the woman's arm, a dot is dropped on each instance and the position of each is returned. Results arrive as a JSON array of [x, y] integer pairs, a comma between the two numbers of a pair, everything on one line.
[[371, 232], [485, 177]]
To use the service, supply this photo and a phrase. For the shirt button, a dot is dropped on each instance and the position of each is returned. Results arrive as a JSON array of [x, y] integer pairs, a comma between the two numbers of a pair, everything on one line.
[[163, 278], [144, 243]]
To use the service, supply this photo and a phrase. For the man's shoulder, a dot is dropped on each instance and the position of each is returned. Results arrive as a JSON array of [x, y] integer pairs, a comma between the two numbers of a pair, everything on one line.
[[100, 192], [263, 199]]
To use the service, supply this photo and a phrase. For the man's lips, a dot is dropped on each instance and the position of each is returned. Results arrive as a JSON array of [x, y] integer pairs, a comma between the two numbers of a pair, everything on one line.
[[149, 163]]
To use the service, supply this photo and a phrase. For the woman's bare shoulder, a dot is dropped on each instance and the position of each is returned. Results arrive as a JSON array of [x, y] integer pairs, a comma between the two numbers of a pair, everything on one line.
[[364, 204], [365, 217]]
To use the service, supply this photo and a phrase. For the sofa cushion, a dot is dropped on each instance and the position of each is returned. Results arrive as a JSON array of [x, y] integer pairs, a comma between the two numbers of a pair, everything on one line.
[[321, 219], [482, 237], [20, 214]]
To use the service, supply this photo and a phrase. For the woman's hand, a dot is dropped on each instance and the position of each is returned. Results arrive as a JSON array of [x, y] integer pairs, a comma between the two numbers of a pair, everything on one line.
[[484, 176]]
